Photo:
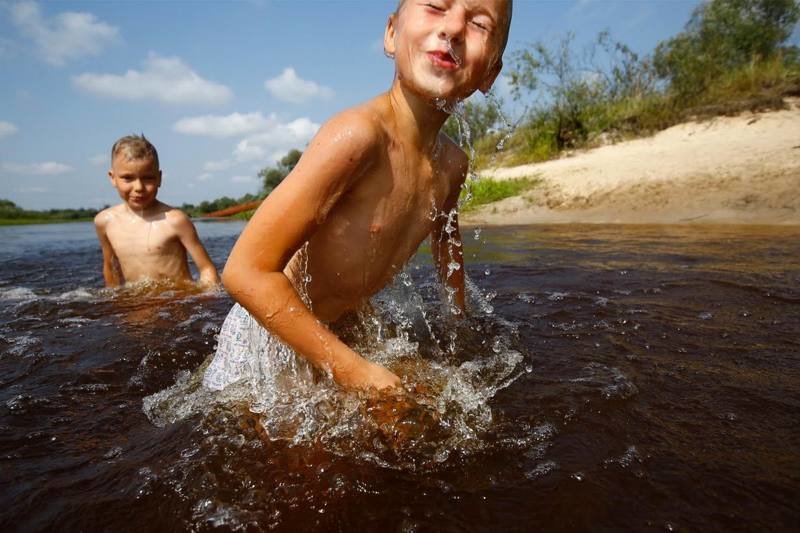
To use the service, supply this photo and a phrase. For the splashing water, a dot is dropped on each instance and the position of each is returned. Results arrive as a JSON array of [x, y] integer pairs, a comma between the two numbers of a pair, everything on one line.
[[444, 408]]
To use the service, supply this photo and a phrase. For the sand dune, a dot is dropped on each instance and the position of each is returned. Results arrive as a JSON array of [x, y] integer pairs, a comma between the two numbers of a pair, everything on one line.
[[743, 169]]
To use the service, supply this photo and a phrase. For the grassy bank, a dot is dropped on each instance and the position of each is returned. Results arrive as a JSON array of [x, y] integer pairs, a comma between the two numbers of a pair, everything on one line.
[[28, 221], [486, 191]]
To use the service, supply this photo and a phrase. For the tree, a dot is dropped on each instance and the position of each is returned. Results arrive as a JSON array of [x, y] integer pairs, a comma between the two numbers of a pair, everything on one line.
[[723, 35], [273, 176]]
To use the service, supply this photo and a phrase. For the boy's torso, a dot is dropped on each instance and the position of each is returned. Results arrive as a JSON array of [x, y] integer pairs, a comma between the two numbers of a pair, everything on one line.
[[146, 248], [376, 226]]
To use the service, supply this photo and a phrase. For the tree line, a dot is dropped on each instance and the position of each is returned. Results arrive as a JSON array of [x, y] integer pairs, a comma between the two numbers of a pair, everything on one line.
[[12, 213]]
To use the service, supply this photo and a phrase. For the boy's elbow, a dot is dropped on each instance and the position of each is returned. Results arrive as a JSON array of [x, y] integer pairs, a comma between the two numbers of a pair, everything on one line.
[[230, 279]]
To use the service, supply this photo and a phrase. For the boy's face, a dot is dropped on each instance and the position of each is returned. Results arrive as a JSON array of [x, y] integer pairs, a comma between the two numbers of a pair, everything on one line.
[[136, 180], [447, 48]]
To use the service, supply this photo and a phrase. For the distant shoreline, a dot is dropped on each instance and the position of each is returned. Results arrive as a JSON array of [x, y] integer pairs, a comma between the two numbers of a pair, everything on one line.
[[32, 221], [726, 170]]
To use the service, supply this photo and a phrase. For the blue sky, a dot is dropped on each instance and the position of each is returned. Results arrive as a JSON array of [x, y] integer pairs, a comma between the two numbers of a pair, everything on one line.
[[222, 88]]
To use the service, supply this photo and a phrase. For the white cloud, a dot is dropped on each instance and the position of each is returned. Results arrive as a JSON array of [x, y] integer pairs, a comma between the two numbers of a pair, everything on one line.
[[65, 36], [280, 138], [165, 79], [223, 126], [216, 166], [48, 168], [7, 128], [99, 160], [291, 88], [205, 176], [243, 179]]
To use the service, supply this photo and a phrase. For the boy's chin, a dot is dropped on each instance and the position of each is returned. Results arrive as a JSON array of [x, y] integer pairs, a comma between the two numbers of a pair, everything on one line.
[[140, 204]]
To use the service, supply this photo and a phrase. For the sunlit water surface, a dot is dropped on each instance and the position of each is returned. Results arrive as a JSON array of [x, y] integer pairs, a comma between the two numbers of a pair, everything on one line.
[[607, 377]]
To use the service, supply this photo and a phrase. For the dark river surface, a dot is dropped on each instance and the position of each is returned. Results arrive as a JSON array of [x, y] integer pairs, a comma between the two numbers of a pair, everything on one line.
[[608, 377]]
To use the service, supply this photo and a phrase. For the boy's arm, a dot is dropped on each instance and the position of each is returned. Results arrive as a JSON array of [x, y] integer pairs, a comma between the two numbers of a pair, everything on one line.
[[111, 271], [190, 240], [446, 245], [339, 154]]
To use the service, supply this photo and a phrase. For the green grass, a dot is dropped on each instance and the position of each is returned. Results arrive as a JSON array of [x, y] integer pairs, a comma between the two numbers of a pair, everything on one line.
[[486, 191], [27, 221]]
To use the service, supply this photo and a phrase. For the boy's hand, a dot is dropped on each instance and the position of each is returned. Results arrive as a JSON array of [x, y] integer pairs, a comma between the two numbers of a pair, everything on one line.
[[366, 375]]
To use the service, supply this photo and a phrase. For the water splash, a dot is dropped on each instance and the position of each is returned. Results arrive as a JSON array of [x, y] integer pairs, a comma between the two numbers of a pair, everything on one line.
[[444, 410]]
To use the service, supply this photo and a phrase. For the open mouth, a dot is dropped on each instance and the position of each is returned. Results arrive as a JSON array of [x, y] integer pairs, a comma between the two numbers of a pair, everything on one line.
[[443, 59]]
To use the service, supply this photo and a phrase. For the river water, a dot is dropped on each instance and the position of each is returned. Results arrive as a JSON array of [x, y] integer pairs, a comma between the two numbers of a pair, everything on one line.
[[608, 377]]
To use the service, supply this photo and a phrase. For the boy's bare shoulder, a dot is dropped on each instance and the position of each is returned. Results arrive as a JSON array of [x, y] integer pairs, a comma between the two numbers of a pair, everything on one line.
[[357, 128], [102, 218], [177, 218]]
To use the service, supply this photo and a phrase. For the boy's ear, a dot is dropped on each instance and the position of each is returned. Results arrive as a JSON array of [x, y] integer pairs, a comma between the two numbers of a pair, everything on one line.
[[159, 178], [388, 37], [491, 75]]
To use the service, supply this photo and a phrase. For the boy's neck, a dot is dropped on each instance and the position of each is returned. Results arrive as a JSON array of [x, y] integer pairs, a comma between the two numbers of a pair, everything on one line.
[[144, 212], [419, 120]]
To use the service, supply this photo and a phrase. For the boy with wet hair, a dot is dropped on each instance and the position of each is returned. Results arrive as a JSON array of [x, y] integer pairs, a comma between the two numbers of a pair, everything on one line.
[[143, 238], [375, 181]]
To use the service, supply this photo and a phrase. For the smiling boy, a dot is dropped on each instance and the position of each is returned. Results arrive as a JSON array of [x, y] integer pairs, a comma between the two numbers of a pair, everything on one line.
[[143, 238], [372, 185]]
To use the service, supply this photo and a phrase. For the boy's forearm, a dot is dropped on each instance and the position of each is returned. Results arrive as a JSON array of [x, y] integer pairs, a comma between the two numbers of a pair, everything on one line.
[[209, 276], [111, 272], [110, 276], [273, 301]]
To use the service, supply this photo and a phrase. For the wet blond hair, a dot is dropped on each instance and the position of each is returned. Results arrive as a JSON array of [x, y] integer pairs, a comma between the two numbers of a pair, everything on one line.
[[506, 26], [135, 147]]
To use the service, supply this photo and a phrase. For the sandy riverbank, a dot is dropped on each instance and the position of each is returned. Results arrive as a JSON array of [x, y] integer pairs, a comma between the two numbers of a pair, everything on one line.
[[743, 169]]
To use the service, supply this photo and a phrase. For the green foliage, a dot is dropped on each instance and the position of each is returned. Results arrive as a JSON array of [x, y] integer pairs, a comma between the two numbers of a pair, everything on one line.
[[485, 191], [580, 96], [11, 213], [731, 56], [272, 176], [724, 36], [225, 202]]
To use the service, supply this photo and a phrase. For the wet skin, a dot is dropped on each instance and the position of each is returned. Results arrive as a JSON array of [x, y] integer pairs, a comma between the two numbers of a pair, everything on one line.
[[372, 185], [143, 238]]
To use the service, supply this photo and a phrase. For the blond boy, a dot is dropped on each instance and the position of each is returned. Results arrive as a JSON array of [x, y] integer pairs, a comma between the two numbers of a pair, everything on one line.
[[372, 185], [143, 238]]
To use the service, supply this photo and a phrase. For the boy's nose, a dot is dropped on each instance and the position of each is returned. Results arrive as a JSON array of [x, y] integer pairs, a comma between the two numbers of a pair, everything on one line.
[[453, 24]]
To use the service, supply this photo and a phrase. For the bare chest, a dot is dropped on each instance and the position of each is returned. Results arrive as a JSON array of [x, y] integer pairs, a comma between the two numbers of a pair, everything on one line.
[[142, 240]]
